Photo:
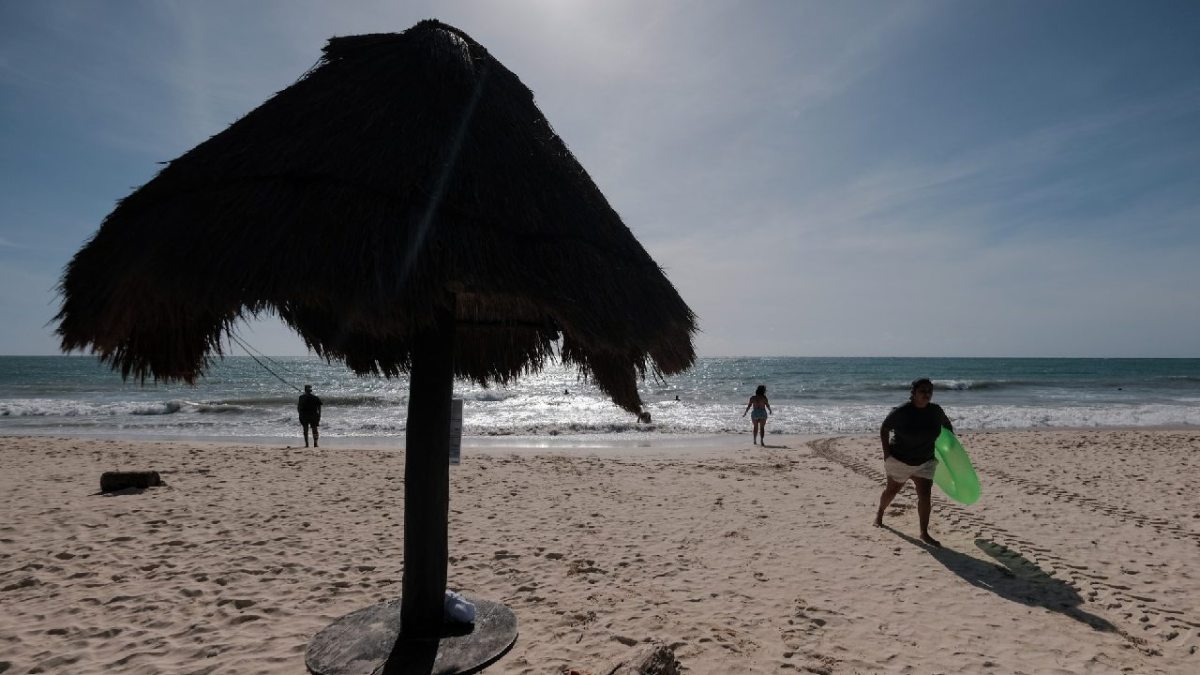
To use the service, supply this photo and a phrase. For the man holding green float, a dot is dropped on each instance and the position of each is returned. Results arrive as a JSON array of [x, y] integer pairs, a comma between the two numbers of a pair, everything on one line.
[[908, 434]]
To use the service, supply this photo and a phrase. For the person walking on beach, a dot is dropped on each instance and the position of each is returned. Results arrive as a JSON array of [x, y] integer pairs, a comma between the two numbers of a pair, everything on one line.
[[908, 434], [759, 417], [309, 407]]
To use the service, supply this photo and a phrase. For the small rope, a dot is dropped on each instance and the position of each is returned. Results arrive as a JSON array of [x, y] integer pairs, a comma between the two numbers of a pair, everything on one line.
[[246, 349], [279, 365]]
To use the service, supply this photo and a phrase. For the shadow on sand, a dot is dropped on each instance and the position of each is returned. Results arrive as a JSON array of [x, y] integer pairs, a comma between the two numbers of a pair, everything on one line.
[[122, 493], [1013, 577]]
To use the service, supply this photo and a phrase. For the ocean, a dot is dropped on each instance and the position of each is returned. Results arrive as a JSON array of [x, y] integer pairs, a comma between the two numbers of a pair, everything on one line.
[[241, 399]]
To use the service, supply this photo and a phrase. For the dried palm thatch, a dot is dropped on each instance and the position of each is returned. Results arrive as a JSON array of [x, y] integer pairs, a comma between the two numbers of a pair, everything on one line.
[[404, 175]]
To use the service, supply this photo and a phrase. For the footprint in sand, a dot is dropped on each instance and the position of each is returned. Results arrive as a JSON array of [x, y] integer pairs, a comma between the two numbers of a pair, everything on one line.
[[806, 620]]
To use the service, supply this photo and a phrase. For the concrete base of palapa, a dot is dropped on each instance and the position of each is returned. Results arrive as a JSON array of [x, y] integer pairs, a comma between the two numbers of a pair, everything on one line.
[[360, 642]]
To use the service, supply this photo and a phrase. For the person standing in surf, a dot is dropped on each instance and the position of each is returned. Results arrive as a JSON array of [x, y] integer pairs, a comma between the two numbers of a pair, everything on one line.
[[758, 402], [309, 407], [908, 434]]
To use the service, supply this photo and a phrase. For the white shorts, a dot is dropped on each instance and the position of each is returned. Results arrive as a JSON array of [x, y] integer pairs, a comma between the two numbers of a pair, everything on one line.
[[900, 472]]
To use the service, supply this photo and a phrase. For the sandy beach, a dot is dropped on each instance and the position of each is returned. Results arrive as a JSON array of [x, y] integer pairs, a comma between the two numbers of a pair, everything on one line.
[[1079, 558]]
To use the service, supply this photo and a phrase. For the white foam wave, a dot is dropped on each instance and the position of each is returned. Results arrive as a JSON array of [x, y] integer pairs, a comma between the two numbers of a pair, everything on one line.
[[164, 408], [486, 395], [72, 408], [519, 415], [219, 408]]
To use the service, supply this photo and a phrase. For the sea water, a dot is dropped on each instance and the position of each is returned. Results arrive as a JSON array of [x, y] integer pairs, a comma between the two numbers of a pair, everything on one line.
[[242, 398]]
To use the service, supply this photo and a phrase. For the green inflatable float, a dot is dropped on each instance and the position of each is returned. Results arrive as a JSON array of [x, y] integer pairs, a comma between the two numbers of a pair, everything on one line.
[[954, 474]]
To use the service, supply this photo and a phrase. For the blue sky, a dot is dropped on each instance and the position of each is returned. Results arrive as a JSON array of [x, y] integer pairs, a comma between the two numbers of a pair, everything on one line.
[[817, 178]]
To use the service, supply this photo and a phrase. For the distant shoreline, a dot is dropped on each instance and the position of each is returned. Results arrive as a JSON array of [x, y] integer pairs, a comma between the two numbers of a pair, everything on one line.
[[634, 442]]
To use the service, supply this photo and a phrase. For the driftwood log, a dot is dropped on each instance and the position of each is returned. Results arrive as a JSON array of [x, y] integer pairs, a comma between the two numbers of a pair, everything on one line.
[[111, 481]]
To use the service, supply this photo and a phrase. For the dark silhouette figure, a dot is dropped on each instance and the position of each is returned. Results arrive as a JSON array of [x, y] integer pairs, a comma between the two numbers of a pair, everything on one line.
[[309, 407], [907, 436]]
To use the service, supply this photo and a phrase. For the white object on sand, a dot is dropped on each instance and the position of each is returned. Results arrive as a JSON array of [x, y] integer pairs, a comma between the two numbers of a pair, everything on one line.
[[458, 608]]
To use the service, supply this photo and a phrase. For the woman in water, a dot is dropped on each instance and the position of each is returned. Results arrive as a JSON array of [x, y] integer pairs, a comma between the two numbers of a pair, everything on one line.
[[759, 417], [908, 434]]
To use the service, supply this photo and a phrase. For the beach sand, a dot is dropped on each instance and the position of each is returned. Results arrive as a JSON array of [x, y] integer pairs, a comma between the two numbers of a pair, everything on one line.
[[1080, 557]]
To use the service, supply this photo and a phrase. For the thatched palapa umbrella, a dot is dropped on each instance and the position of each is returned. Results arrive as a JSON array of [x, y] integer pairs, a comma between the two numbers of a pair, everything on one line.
[[407, 209]]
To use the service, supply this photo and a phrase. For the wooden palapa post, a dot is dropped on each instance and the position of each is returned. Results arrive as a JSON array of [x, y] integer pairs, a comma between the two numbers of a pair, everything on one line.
[[426, 497]]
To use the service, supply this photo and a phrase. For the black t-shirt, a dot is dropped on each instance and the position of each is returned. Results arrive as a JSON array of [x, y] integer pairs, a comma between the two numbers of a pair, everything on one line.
[[915, 430], [309, 407]]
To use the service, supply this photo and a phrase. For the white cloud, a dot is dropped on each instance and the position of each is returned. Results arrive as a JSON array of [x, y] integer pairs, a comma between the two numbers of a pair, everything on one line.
[[694, 120]]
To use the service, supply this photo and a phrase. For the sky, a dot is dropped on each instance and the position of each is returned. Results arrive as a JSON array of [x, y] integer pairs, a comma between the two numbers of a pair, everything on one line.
[[958, 178]]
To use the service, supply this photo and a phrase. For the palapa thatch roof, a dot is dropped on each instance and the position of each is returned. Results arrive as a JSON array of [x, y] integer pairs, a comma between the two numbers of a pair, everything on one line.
[[404, 172]]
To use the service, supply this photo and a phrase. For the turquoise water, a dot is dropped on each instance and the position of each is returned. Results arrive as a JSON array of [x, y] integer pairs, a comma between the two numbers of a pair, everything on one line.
[[76, 395]]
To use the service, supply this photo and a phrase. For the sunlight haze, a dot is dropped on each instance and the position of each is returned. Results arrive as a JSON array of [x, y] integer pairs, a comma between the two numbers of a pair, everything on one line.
[[816, 178]]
